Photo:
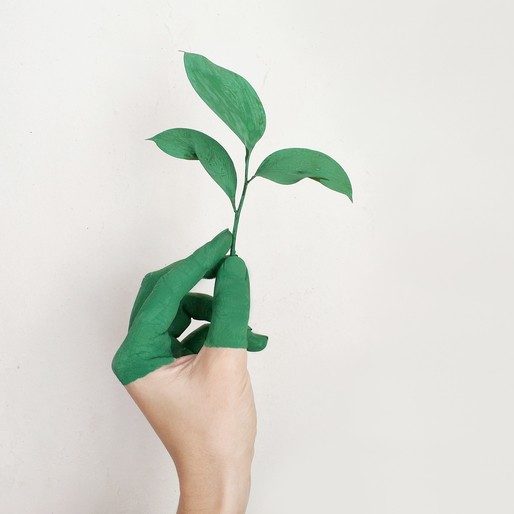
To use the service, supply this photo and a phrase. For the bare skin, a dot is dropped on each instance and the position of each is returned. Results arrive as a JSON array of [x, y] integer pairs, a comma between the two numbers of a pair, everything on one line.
[[202, 408]]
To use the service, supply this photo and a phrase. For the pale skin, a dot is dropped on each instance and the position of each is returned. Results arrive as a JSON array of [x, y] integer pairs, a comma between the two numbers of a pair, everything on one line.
[[202, 408]]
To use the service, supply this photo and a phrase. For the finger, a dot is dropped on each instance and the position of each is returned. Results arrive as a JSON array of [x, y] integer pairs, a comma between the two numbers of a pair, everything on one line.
[[151, 279], [161, 305], [148, 346], [231, 306], [199, 306], [139, 355], [193, 306], [213, 271], [256, 342], [194, 341]]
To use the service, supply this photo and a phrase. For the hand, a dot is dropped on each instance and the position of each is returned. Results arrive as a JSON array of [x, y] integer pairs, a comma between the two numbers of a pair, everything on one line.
[[196, 393]]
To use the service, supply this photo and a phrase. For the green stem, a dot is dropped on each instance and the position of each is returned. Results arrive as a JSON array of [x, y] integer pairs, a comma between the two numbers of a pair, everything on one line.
[[237, 212]]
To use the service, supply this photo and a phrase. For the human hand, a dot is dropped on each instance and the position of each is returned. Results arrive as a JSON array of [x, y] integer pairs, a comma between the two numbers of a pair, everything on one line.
[[196, 393]]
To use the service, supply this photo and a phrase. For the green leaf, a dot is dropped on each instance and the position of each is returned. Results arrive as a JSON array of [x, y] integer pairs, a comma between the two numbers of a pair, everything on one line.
[[193, 145], [290, 165], [229, 95]]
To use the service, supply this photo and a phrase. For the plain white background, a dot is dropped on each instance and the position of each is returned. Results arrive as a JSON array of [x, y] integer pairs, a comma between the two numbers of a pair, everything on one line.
[[387, 386]]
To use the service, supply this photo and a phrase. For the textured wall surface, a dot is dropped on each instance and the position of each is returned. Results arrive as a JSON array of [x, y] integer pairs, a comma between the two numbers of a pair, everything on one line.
[[387, 384]]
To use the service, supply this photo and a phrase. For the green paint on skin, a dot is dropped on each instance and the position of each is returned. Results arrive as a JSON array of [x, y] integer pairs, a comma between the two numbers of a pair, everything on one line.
[[196, 339], [199, 306], [231, 305], [164, 307]]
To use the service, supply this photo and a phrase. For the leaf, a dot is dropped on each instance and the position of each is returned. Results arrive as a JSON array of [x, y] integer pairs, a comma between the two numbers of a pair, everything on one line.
[[194, 145], [290, 165], [229, 95]]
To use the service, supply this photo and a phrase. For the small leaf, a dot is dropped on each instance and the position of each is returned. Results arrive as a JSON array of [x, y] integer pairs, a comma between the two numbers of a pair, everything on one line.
[[193, 145], [290, 165], [229, 95]]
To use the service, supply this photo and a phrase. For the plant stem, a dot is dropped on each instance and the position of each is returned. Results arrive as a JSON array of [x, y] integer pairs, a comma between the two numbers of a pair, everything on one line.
[[237, 213]]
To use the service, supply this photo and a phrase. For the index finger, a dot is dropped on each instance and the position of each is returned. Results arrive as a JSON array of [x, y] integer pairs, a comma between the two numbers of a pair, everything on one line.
[[160, 306]]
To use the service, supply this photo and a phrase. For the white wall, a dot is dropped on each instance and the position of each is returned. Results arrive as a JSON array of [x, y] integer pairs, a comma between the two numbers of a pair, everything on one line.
[[387, 387]]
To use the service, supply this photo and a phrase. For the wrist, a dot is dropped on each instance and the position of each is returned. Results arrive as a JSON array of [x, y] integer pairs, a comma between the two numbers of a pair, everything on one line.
[[224, 492]]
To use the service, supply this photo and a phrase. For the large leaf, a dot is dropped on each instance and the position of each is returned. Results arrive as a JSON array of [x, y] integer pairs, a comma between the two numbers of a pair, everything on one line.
[[191, 144], [290, 165], [229, 95]]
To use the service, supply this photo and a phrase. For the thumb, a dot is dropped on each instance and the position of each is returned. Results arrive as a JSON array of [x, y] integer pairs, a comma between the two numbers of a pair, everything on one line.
[[231, 306]]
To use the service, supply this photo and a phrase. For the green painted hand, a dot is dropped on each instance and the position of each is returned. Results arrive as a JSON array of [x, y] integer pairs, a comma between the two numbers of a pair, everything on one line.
[[164, 308]]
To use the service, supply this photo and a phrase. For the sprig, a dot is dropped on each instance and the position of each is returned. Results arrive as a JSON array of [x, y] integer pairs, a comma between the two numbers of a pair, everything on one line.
[[235, 101]]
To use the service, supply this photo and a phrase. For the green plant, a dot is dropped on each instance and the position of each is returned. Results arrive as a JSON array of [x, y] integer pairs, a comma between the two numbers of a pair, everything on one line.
[[235, 101]]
